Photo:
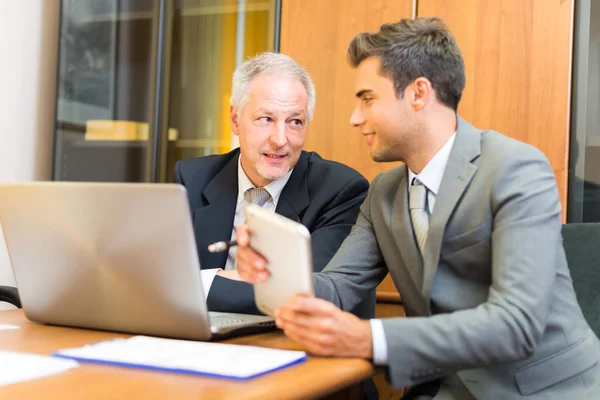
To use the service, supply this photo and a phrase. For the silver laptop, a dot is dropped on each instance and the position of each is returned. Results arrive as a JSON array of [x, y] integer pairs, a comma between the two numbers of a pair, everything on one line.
[[111, 256]]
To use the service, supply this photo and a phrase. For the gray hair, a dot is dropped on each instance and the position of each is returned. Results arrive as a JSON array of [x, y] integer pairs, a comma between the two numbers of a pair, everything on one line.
[[276, 64]]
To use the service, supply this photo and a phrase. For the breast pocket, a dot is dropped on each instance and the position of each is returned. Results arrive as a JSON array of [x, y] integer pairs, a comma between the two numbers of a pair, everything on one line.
[[468, 253], [467, 239]]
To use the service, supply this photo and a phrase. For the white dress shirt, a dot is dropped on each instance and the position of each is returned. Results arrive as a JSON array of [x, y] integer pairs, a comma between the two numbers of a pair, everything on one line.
[[274, 188], [431, 178]]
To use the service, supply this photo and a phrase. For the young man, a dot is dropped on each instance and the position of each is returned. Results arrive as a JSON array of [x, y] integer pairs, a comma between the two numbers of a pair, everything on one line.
[[272, 103], [469, 229]]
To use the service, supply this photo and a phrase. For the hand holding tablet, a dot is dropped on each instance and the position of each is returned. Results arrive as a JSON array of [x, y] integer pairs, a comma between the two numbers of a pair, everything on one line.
[[286, 246]]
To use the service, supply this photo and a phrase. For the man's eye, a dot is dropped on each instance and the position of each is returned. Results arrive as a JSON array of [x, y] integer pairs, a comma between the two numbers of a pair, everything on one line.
[[265, 119], [367, 100], [297, 122]]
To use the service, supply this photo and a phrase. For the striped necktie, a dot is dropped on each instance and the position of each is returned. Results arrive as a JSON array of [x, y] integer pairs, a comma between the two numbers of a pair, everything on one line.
[[418, 212], [258, 196]]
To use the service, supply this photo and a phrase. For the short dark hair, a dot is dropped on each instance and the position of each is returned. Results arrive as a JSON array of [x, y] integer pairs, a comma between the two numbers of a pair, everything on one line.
[[409, 49]]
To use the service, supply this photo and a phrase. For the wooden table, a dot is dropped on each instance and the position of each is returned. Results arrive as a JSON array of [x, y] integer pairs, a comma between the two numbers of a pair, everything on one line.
[[314, 378]]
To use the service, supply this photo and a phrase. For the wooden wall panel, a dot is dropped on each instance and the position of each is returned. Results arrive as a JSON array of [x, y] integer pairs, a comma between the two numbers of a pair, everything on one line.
[[518, 64], [316, 33]]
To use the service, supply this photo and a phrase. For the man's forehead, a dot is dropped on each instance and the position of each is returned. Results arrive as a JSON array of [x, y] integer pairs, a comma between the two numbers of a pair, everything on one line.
[[276, 91], [369, 66], [369, 77], [274, 81], [272, 108], [367, 73]]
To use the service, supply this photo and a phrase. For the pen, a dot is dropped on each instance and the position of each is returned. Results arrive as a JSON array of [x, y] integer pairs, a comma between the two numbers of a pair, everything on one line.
[[219, 247]]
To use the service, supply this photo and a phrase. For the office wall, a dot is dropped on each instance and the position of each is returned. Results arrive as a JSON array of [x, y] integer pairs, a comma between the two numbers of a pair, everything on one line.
[[28, 48], [518, 65], [517, 59], [317, 34]]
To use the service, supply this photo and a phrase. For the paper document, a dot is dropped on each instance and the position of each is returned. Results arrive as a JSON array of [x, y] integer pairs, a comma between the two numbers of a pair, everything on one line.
[[18, 367], [211, 359]]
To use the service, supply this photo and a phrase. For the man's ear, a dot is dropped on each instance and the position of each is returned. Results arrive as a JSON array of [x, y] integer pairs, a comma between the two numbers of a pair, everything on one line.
[[234, 120], [420, 93]]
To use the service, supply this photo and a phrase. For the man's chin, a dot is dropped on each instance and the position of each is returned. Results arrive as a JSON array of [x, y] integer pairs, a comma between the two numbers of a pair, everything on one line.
[[273, 173], [376, 155], [379, 155]]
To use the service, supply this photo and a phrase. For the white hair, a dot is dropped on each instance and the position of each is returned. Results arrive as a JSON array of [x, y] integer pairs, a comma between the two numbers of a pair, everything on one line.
[[275, 64]]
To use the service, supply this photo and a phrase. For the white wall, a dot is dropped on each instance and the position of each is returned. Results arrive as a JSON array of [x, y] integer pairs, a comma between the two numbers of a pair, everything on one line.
[[28, 53]]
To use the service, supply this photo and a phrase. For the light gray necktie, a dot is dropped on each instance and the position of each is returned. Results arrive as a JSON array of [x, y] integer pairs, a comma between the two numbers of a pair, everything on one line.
[[418, 212], [258, 196]]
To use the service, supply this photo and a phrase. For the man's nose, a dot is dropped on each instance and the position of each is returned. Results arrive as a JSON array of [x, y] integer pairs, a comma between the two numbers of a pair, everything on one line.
[[357, 119], [278, 137]]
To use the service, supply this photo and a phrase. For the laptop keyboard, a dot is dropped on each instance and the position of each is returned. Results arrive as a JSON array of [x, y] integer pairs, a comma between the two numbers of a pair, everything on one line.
[[222, 321]]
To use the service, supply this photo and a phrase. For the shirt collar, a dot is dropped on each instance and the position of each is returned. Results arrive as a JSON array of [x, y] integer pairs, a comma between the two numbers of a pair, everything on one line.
[[274, 188], [431, 175]]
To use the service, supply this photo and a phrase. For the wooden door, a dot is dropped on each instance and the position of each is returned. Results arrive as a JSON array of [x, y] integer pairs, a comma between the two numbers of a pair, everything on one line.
[[518, 64]]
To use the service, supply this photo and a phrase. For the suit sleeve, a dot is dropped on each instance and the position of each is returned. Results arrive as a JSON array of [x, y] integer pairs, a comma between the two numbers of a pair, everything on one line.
[[336, 221], [228, 295], [358, 266], [177, 173], [332, 227], [525, 243]]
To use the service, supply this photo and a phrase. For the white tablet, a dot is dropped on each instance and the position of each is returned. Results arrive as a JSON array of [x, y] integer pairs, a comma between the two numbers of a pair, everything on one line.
[[286, 246]]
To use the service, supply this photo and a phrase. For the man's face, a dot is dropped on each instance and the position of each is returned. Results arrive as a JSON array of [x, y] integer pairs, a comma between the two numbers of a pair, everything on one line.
[[388, 122], [271, 128]]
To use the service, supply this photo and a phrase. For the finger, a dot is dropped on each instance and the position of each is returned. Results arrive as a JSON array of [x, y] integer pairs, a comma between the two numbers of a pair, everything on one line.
[[315, 342], [303, 321], [245, 271], [286, 316], [252, 276], [260, 277], [242, 236], [243, 267], [249, 269], [312, 305], [251, 257]]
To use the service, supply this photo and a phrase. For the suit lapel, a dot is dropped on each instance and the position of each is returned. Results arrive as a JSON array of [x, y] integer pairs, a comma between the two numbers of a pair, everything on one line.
[[214, 222], [294, 196], [457, 176], [404, 235]]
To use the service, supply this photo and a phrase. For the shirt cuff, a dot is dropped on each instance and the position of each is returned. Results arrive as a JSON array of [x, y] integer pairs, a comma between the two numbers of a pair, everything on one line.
[[380, 353], [208, 276]]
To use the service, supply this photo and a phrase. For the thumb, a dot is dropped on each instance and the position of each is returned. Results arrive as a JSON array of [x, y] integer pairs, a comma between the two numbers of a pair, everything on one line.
[[243, 235]]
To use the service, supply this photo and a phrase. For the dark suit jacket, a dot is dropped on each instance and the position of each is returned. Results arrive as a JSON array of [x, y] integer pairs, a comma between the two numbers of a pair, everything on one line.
[[324, 196]]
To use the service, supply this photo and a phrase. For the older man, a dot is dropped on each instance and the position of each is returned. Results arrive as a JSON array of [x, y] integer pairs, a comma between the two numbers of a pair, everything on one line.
[[272, 103]]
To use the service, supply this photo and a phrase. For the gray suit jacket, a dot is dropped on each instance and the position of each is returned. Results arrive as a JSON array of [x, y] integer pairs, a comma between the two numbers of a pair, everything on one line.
[[492, 300]]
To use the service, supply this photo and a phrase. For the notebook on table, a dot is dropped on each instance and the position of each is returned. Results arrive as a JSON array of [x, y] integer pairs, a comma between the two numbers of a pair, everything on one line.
[[197, 358]]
